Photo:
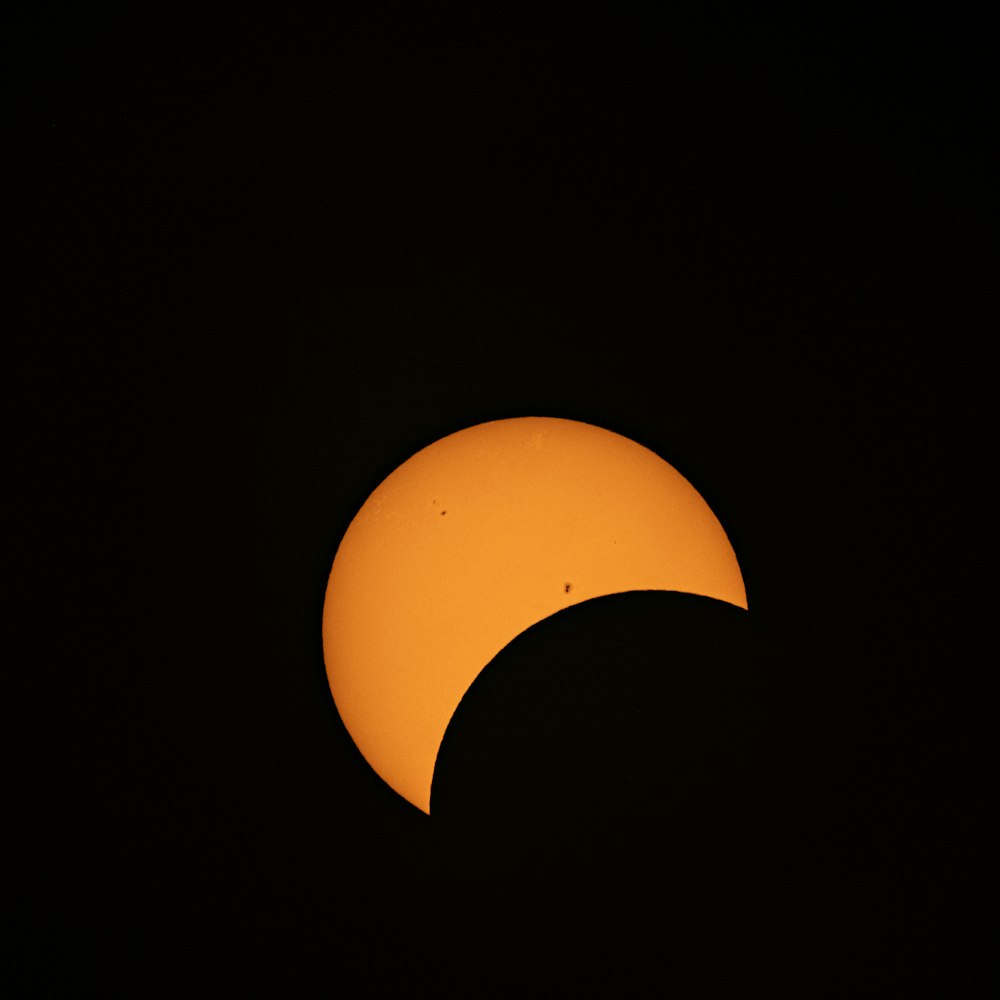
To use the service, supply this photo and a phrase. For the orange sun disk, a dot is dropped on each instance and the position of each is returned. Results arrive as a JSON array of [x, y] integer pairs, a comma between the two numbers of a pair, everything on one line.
[[478, 537]]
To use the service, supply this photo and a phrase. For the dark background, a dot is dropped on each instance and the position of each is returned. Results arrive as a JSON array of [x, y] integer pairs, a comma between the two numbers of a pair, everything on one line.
[[269, 262]]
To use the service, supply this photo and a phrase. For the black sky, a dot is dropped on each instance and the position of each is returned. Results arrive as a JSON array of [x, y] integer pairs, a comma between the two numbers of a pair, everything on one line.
[[276, 260]]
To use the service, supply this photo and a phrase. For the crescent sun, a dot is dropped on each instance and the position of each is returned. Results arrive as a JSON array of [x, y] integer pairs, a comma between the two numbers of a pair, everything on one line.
[[476, 538]]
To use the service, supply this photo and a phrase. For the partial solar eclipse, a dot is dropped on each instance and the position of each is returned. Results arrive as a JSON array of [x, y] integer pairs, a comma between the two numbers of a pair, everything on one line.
[[478, 537]]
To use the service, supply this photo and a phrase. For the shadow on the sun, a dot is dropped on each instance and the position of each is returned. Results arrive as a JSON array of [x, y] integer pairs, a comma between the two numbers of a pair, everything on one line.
[[630, 752], [618, 712]]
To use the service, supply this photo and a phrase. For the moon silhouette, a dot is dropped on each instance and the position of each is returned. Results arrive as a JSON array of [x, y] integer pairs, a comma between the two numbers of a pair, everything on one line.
[[478, 537]]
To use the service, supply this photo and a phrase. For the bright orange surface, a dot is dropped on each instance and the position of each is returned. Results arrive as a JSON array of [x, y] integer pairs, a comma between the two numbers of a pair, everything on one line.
[[473, 540]]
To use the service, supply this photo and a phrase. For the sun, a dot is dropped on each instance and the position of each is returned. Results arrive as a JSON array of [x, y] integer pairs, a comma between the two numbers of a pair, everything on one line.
[[475, 539]]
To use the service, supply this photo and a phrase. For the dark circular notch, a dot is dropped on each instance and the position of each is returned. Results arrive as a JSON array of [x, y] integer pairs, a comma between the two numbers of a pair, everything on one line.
[[614, 706]]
